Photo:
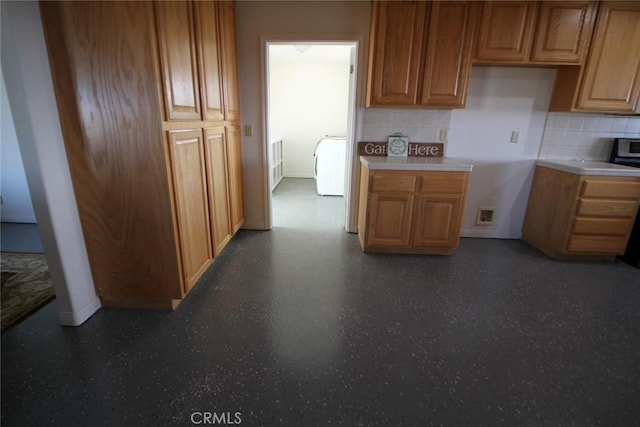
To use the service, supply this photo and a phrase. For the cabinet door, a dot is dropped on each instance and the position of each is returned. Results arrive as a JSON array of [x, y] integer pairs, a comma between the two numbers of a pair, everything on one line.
[[437, 221], [506, 31], [564, 31], [229, 57], [448, 53], [178, 60], [234, 163], [390, 219], [190, 188], [209, 55], [396, 46], [612, 73], [216, 150]]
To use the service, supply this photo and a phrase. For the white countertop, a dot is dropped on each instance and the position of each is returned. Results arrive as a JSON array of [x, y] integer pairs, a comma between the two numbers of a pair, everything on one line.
[[445, 164], [589, 167]]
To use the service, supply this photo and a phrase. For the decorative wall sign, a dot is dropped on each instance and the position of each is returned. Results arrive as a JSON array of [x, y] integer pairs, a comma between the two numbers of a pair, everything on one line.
[[414, 149]]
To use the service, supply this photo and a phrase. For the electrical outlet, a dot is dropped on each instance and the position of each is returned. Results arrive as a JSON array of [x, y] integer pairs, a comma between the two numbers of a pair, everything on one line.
[[444, 133], [515, 136], [248, 130]]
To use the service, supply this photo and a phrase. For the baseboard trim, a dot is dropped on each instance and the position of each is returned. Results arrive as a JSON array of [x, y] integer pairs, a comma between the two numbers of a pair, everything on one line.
[[489, 234], [19, 219], [294, 175], [70, 318]]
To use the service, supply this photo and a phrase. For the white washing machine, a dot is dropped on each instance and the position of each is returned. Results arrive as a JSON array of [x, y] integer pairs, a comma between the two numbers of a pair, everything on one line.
[[329, 166]]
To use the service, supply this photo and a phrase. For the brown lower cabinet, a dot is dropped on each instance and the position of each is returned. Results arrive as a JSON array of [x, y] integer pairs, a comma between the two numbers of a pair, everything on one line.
[[152, 135], [410, 212], [578, 217]]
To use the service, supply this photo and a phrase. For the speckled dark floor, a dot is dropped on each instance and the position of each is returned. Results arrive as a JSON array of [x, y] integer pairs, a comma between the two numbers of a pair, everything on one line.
[[298, 327], [20, 237]]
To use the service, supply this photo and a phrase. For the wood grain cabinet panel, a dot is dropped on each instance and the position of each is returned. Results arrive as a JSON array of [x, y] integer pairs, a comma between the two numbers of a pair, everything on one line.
[[110, 116], [611, 189], [437, 221], [393, 181], [229, 58], [443, 182], [606, 226], [448, 48], [211, 86], [174, 21], [396, 47], [506, 31], [234, 164], [218, 186], [604, 207], [612, 73], [564, 31], [588, 244], [190, 185], [390, 219]]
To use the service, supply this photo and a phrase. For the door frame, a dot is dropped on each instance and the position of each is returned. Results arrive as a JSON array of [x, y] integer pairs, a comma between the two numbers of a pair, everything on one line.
[[354, 122]]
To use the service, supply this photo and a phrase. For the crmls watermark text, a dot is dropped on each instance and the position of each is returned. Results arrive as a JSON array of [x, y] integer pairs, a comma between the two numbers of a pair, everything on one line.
[[218, 418]]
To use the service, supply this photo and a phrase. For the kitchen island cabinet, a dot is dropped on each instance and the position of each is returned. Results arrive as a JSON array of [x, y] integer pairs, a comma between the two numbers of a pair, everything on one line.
[[581, 210], [411, 205]]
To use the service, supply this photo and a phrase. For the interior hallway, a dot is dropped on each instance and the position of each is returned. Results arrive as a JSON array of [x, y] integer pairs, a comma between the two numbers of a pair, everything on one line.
[[297, 205], [297, 327]]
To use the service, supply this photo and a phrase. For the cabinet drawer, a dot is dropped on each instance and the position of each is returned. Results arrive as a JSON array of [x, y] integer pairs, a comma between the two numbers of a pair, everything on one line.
[[611, 189], [607, 226], [614, 208], [382, 182], [442, 182], [597, 244]]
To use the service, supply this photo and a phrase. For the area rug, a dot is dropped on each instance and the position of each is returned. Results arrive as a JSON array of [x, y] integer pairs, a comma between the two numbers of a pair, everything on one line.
[[26, 286]]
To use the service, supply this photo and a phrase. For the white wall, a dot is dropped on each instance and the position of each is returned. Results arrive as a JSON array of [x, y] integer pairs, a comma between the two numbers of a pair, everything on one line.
[[26, 70], [585, 136], [16, 201], [308, 99], [418, 125], [261, 21], [499, 101]]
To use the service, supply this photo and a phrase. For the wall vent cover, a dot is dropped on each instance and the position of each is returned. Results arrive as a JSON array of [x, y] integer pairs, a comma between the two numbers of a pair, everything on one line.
[[485, 216]]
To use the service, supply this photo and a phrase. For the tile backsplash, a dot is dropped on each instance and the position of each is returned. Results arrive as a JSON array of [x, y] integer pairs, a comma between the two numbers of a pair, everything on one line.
[[418, 125], [585, 136]]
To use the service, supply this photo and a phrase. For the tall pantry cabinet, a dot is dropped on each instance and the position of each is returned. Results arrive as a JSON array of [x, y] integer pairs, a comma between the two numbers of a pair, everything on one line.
[[148, 103]]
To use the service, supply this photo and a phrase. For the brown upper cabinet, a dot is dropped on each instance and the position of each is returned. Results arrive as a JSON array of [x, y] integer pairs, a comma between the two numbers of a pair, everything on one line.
[[612, 74], [420, 53], [610, 79], [564, 31], [549, 32], [506, 31], [209, 51], [198, 59], [229, 60], [176, 40]]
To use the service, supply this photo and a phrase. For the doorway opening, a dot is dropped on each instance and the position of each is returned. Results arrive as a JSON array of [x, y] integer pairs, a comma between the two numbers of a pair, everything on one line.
[[310, 96]]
